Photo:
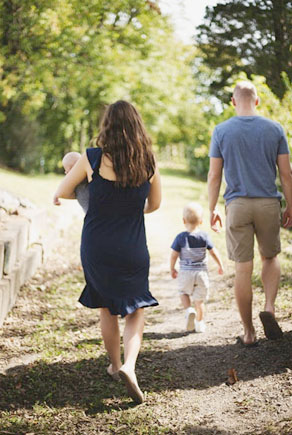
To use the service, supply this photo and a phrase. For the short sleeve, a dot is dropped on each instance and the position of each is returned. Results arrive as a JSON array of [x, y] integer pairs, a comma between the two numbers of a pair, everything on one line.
[[283, 143], [209, 243], [215, 146], [94, 157], [176, 245]]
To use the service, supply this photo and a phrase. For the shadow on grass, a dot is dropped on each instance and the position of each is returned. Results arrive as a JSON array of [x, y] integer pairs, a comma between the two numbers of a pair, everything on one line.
[[167, 336], [199, 430], [25, 427], [97, 341], [85, 384]]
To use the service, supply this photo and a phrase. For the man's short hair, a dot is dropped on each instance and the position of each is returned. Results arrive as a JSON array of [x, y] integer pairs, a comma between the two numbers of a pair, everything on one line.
[[245, 91]]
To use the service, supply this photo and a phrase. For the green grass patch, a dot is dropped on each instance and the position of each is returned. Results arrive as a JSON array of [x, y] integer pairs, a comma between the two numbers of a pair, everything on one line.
[[39, 189]]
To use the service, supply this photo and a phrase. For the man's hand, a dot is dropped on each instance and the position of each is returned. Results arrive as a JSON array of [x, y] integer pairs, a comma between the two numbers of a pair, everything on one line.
[[287, 218], [173, 273], [214, 219], [56, 200]]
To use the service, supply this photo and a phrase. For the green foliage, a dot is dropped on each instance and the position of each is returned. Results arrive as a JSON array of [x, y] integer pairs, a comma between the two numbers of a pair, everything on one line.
[[270, 105], [62, 61], [253, 36]]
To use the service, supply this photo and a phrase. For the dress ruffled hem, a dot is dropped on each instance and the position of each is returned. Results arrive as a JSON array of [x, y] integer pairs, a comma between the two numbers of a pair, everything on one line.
[[121, 307]]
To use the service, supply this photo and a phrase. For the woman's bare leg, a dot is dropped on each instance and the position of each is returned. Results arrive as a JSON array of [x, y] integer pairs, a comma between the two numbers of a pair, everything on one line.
[[111, 337], [133, 334]]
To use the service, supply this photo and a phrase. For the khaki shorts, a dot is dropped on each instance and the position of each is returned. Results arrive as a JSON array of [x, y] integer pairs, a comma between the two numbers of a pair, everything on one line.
[[249, 217], [194, 283]]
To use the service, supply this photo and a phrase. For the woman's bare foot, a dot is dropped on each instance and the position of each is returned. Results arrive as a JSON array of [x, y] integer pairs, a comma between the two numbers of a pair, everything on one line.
[[130, 380]]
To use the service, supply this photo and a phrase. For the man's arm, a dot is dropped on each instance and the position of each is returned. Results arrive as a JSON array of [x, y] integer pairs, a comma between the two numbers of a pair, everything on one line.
[[214, 183], [285, 175]]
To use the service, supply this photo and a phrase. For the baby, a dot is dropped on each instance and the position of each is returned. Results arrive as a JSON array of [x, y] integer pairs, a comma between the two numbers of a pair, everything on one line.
[[81, 191], [191, 247]]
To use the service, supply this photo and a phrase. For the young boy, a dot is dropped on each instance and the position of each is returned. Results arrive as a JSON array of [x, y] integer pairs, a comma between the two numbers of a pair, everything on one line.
[[81, 191], [191, 247]]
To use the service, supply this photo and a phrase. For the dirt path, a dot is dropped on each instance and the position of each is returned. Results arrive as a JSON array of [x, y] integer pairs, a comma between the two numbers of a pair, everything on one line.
[[260, 402], [52, 367]]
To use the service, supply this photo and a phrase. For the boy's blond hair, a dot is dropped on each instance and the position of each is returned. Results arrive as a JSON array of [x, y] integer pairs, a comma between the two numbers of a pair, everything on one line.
[[193, 213], [245, 91]]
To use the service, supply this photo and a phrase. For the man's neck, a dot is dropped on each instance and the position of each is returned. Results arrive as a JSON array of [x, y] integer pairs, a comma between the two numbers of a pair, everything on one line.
[[246, 111]]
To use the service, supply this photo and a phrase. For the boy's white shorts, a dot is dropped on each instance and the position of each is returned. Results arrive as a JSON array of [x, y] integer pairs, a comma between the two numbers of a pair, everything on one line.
[[194, 283]]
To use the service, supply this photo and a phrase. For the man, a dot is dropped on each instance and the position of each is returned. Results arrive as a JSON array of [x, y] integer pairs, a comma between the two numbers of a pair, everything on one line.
[[250, 148]]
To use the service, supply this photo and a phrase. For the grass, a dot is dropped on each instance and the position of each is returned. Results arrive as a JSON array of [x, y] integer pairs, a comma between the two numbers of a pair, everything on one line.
[[37, 188]]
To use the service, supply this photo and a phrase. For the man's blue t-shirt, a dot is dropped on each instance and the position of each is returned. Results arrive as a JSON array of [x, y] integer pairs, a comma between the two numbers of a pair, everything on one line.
[[249, 146], [192, 248]]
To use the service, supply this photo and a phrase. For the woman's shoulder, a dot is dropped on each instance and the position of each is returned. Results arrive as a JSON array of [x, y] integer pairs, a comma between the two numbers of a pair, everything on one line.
[[93, 151], [94, 156]]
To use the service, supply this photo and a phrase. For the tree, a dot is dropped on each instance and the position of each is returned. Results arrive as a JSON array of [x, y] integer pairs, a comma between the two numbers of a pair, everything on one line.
[[59, 62], [253, 36], [62, 61]]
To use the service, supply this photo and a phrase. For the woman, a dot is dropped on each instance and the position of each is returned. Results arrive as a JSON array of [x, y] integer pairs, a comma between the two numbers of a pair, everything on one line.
[[124, 183]]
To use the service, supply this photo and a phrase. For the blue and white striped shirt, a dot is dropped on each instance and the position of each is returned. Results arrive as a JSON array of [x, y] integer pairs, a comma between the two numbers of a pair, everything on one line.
[[192, 248]]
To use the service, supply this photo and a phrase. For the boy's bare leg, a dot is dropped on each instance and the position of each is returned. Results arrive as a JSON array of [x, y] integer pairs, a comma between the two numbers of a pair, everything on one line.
[[185, 300], [243, 295], [200, 309], [190, 313]]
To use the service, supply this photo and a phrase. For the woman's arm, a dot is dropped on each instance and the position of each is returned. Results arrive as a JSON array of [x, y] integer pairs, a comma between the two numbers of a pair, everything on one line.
[[154, 197], [72, 179]]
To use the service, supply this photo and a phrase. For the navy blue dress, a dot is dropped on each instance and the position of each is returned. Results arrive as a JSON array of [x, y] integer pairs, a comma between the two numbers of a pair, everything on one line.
[[114, 252]]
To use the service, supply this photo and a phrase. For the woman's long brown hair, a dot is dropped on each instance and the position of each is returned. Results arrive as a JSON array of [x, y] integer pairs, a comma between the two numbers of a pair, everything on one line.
[[124, 139]]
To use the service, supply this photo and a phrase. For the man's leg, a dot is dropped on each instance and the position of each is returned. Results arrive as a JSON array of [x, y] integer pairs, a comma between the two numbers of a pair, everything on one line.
[[243, 295], [271, 278], [267, 225]]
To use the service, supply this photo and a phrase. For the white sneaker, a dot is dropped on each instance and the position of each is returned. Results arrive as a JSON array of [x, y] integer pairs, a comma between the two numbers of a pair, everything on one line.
[[190, 319], [200, 326]]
